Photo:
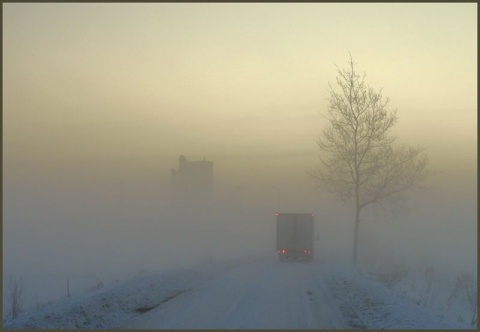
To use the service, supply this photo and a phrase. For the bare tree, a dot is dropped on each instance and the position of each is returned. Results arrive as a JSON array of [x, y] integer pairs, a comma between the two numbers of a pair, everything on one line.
[[358, 154], [15, 295]]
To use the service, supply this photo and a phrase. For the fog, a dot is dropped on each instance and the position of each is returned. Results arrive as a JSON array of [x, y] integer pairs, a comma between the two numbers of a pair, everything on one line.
[[117, 219], [101, 100]]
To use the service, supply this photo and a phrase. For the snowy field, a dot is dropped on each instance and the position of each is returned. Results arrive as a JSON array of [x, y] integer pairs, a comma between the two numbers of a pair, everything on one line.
[[249, 293]]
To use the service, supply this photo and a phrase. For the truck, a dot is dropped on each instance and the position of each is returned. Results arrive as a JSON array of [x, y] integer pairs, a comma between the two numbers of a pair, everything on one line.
[[295, 235]]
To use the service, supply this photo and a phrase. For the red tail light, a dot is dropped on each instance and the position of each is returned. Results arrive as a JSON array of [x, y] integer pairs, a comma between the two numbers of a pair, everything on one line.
[[283, 251]]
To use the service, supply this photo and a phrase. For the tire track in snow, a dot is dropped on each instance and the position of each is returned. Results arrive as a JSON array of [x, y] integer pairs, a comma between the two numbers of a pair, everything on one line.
[[325, 306]]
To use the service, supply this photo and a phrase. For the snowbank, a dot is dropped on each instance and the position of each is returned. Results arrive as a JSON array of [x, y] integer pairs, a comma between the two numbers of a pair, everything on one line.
[[371, 305], [110, 306]]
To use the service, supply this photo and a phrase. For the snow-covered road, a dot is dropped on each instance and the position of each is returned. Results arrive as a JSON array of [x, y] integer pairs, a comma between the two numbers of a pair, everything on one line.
[[244, 293], [262, 294]]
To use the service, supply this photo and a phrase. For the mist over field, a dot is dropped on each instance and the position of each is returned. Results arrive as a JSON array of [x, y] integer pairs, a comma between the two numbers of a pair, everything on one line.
[[100, 100], [126, 220]]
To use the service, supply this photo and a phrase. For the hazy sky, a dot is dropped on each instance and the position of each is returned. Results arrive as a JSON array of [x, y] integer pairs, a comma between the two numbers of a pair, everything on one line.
[[95, 94], [89, 80]]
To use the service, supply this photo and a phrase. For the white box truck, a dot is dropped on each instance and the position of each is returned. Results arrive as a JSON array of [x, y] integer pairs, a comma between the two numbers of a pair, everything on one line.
[[295, 235]]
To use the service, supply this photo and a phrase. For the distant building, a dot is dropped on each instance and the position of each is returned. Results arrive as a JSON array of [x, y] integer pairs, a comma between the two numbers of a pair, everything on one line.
[[193, 181]]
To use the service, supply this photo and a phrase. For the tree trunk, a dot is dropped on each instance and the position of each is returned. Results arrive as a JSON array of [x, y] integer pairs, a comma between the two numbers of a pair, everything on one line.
[[68, 286], [355, 235]]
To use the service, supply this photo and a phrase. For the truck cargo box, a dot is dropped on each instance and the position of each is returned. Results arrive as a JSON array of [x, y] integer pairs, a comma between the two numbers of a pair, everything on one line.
[[295, 235]]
